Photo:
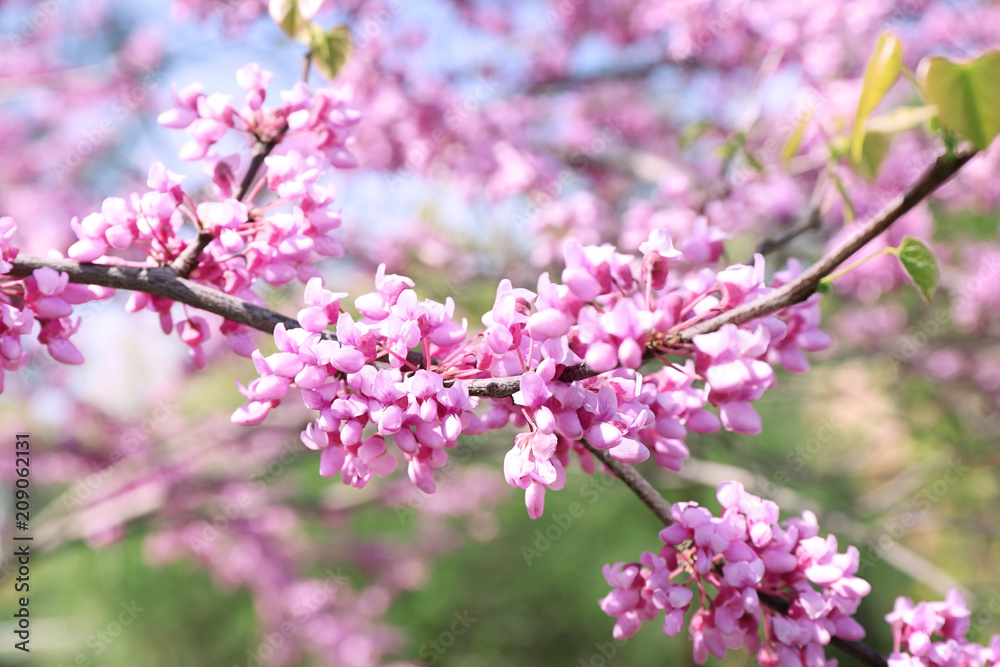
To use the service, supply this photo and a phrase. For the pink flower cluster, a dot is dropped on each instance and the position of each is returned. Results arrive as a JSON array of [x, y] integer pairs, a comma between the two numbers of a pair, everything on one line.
[[613, 312], [46, 296], [239, 243], [914, 626], [319, 122], [359, 405], [8, 251], [732, 560]]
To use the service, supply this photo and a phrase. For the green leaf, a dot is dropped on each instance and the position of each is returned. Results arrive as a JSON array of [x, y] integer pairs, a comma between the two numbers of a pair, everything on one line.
[[792, 145], [329, 49], [921, 265], [873, 152], [882, 71], [754, 163], [901, 119], [692, 133], [839, 147], [966, 94], [293, 16]]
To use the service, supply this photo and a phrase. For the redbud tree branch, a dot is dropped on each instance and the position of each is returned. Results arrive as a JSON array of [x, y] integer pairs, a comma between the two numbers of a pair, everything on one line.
[[648, 494], [808, 281], [158, 281], [631, 477], [188, 260], [164, 282]]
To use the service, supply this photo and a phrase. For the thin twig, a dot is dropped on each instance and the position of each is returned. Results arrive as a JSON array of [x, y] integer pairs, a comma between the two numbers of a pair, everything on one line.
[[806, 284], [860, 651], [811, 222], [260, 153], [188, 259]]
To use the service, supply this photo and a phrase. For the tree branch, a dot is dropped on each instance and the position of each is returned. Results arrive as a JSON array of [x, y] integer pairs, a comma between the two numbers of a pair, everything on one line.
[[860, 651], [556, 84], [812, 221], [631, 477], [158, 281], [803, 287], [260, 153], [188, 259], [164, 282]]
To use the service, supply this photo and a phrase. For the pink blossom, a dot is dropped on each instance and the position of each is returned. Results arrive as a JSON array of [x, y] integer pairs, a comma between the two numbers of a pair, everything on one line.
[[730, 360], [8, 251]]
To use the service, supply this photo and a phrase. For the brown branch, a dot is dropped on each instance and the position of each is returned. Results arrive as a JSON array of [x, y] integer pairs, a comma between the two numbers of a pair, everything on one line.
[[163, 282], [811, 222], [158, 281], [806, 284], [188, 259], [186, 262], [556, 84], [260, 153], [645, 491], [860, 651], [790, 294]]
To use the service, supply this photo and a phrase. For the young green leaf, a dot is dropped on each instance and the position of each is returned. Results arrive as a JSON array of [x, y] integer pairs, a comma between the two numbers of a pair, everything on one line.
[[920, 264], [792, 145], [966, 94], [692, 133], [901, 119], [329, 49], [873, 152], [882, 71], [292, 16]]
